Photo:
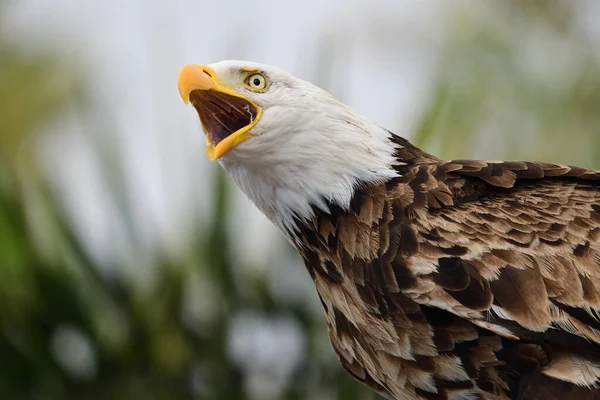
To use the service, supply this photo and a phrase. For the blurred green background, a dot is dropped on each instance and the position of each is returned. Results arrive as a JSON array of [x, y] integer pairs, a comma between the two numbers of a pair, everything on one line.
[[197, 314]]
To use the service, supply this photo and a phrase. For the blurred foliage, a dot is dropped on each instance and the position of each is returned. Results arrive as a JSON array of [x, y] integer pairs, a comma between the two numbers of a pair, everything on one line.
[[519, 80], [69, 331]]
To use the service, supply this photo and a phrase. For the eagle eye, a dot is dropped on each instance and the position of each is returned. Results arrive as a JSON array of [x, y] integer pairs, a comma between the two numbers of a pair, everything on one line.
[[256, 82]]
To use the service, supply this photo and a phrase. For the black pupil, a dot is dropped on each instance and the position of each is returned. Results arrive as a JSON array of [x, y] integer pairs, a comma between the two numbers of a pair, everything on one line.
[[256, 82]]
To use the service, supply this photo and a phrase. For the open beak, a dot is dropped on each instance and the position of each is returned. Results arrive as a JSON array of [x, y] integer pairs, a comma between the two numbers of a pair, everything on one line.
[[226, 116]]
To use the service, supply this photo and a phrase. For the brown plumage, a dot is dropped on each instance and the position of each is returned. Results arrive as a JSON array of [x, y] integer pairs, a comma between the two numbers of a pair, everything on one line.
[[464, 280]]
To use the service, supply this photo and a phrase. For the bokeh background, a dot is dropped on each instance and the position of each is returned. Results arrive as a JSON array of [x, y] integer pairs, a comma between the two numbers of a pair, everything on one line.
[[132, 268]]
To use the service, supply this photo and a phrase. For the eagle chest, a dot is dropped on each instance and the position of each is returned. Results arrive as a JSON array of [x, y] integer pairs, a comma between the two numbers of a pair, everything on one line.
[[380, 334]]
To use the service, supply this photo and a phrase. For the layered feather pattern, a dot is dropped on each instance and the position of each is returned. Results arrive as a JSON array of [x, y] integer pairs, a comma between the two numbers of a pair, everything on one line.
[[464, 279]]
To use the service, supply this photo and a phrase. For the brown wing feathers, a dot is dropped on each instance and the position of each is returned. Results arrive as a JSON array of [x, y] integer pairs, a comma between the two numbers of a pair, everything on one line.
[[460, 278]]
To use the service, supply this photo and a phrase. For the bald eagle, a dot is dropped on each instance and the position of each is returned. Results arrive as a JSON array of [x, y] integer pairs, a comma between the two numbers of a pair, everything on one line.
[[439, 279]]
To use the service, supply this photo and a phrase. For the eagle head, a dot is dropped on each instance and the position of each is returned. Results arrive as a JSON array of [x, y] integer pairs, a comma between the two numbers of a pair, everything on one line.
[[289, 145]]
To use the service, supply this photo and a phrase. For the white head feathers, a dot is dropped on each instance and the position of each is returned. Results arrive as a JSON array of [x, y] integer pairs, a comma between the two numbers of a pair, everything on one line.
[[306, 150]]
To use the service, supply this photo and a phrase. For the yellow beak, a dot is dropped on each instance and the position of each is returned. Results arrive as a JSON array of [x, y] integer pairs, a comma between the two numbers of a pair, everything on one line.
[[199, 85], [193, 77]]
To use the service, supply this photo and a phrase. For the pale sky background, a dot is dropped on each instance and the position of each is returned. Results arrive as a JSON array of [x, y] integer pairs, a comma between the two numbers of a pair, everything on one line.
[[131, 53]]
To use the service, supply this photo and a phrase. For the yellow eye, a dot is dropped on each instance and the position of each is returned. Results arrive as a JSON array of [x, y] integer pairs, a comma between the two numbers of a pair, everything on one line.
[[256, 82]]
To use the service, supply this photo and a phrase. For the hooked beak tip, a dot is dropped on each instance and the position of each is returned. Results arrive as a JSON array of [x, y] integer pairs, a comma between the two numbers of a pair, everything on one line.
[[193, 77]]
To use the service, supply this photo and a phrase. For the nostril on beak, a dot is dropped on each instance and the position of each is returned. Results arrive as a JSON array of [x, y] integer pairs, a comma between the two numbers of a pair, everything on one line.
[[207, 72]]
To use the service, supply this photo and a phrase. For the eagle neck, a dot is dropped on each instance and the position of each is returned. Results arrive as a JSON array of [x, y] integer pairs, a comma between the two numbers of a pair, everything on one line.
[[291, 192]]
